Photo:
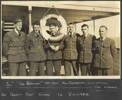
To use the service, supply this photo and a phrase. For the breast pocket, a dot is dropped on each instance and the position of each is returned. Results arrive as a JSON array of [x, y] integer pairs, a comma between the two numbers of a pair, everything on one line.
[[106, 45], [34, 41], [14, 42], [81, 44]]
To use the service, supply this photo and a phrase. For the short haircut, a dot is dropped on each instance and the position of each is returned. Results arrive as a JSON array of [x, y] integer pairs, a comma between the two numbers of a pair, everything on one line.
[[103, 26], [71, 24], [36, 23], [84, 25], [17, 20]]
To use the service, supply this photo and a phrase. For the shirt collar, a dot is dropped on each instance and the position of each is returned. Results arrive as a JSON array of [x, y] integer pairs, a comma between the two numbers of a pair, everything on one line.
[[103, 38], [16, 31], [37, 34], [71, 33], [86, 35]]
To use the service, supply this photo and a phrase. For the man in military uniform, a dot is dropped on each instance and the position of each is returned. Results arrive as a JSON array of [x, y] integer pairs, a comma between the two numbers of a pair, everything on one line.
[[53, 48], [85, 54], [36, 52], [14, 50], [70, 51], [105, 53]]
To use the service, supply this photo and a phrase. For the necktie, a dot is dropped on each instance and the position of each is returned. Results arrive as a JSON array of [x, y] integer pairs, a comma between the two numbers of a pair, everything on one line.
[[84, 37], [19, 33], [101, 40], [37, 34], [70, 34]]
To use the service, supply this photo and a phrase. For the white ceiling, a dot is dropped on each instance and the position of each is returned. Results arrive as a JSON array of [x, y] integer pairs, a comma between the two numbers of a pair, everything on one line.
[[72, 11], [112, 6]]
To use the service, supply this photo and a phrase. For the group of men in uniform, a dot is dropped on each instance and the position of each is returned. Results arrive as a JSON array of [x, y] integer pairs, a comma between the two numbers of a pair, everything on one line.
[[82, 53]]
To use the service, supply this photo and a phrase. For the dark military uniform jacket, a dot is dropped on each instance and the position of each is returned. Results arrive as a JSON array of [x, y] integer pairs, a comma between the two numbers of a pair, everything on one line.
[[85, 47], [51, 54], [70, 48], [14, 46], [35, 47], [105, 53]]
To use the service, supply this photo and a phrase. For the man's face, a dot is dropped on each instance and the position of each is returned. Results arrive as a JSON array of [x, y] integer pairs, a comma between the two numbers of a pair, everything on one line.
[[36, 28], [18, 26], [84, 30], [53, 29], [102, 32], [71, 28]]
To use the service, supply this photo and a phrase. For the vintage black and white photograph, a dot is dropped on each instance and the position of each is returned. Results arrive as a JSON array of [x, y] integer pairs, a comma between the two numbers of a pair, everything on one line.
[[60, 39]]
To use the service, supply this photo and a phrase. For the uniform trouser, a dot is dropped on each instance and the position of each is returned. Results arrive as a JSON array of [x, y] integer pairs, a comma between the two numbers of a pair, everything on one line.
[[103, 71], [37, 67], [17, 69], [57, 66], [67, 66], [77, 67], [85, 69]]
